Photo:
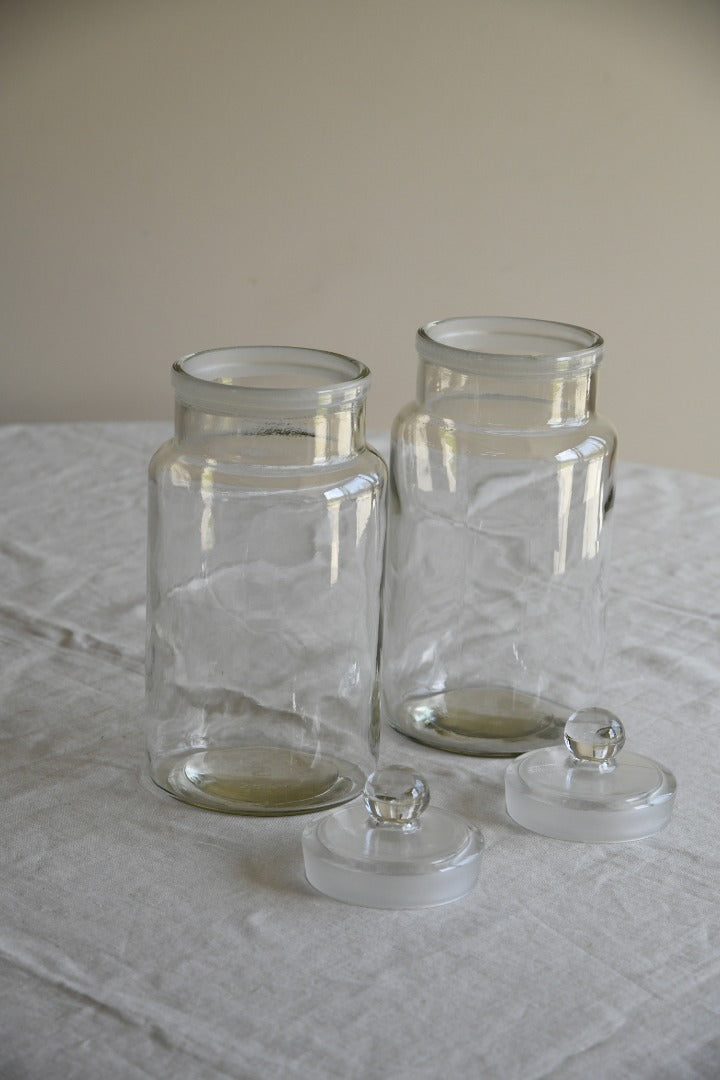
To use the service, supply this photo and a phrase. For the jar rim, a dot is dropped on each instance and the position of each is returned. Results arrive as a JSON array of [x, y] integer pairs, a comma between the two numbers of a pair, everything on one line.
[[268, 379], [510, 344]]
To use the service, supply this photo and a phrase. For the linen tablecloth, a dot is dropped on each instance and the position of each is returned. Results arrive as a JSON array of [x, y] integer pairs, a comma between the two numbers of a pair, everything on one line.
[[142, 938]]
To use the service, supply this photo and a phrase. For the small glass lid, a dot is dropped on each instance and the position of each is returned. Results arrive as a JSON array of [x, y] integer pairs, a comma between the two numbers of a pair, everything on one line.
[[590, 789], [391, 849]]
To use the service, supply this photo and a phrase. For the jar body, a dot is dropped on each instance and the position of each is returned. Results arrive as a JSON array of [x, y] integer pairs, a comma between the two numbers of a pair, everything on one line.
[[264, 567], [498, 543]]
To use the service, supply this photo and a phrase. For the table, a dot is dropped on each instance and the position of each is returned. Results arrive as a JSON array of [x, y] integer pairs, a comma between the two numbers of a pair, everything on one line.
[[142, 938]]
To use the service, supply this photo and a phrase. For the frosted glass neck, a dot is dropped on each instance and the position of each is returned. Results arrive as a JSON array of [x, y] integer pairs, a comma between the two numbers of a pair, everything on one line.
[[271, 405], [506, 373]]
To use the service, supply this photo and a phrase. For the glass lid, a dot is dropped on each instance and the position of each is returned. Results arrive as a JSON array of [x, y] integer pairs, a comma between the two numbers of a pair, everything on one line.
[[590, 789], [391, 849]]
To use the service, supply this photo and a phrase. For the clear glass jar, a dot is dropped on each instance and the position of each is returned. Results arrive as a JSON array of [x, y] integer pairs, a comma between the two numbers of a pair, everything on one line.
[[265, 538], [498, 540]]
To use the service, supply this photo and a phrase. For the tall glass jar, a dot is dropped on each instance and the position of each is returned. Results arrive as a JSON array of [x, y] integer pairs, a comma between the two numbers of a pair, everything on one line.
[[266, 531], [497, 553]]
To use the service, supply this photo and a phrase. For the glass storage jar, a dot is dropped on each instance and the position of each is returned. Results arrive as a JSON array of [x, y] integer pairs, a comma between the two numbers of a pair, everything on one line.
[[497, 551], [265, 537]]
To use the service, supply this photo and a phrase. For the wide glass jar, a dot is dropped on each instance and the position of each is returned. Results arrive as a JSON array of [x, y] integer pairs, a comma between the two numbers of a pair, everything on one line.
[[265, 540], [498, 540]]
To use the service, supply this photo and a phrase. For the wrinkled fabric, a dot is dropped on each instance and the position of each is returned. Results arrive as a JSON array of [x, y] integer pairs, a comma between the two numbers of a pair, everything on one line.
[[142, 938]]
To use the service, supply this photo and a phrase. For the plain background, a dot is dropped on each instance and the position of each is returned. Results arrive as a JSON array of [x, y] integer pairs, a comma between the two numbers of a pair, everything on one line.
[[180, 174]]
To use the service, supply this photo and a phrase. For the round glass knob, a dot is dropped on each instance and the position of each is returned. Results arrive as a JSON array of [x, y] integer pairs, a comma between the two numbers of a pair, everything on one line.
[[396, 795], [594, 735]]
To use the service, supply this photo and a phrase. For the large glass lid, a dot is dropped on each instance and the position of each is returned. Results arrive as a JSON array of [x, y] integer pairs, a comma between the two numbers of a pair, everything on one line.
[[590, 789], [392, 850]]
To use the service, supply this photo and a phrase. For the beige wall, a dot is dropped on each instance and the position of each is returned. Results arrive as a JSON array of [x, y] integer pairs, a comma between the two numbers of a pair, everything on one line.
[[178, 174]]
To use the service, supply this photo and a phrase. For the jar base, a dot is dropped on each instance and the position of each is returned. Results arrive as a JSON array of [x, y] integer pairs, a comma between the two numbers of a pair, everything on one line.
[[259, 780], [486, 721]]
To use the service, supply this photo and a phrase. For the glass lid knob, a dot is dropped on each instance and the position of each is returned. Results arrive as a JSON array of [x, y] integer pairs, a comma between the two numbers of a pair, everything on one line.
[[396, 795], [594, 735]]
